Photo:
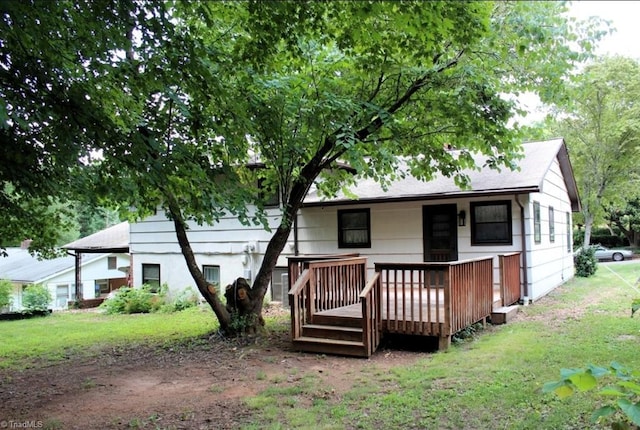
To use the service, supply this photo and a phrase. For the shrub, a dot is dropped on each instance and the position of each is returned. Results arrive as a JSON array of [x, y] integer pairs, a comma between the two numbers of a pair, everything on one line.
[[586, 263], [129, 300], [36, 298], [621, 392], [6, 288], [188, 298]]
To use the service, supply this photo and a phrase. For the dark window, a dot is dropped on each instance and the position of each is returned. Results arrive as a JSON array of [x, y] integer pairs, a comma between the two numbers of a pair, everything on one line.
[[552, 226], [270, 198], [112, 263], [212, 275], [569, 233], [151, 276], [537, 232], [354, 228], [491, 223]]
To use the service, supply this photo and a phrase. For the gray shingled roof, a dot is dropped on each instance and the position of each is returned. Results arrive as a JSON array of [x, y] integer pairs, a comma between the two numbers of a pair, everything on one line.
[[538, 158], [20, 266], [111, 239]]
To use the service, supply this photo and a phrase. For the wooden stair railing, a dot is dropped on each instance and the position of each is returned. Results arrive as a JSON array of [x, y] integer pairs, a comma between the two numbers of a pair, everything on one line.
[[371, 314], [298, 297], [327, 285], [509, 265]]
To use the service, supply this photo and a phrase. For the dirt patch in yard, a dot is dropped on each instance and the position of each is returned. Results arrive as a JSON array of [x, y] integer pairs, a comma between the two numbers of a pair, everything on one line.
[[201, 384]]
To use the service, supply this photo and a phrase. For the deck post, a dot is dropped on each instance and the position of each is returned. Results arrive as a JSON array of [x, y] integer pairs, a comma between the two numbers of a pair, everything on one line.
[[444, 342]]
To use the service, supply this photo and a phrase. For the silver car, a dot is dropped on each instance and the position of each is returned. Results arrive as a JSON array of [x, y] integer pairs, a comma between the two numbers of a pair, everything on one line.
[[603, 253]]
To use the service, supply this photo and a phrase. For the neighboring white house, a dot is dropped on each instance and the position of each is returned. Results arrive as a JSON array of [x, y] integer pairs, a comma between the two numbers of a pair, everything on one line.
[[58, 275], [528, 210], [100, 264]]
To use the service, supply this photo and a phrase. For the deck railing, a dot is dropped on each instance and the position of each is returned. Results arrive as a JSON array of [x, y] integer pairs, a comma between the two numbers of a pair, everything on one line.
[[371, 314], [429, 299], [509, 265], [325, 285], [298, 298], [299, 262], [435, 299]]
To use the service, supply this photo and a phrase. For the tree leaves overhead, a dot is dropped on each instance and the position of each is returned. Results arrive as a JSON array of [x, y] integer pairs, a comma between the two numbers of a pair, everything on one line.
[[164, 104], [601, 123]]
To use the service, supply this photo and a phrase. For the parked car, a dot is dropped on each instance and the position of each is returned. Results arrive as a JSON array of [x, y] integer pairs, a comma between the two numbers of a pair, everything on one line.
[[603, 253]]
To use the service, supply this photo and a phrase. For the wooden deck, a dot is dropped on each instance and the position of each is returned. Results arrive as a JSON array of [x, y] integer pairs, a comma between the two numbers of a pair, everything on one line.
[[334, 309], [428, 307]]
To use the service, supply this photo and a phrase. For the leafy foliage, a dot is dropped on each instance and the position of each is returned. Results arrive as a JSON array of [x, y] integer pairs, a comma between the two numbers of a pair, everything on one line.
[[625, 217], [6, 292], [586, 262], [187, 298], [601, 126], [624, 391], [635, 306], [174, 99], [36, 298], [129, 300]]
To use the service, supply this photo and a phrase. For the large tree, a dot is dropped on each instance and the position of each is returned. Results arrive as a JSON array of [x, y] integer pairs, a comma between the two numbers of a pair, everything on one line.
[[600, 121], [176, 96]]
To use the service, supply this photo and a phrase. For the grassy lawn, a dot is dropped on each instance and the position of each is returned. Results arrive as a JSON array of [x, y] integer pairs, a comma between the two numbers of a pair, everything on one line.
[[494, 381], [54, 337]]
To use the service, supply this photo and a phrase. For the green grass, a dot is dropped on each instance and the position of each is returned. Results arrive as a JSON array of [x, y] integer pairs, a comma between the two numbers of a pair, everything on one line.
[[52, 338], [494, 381]]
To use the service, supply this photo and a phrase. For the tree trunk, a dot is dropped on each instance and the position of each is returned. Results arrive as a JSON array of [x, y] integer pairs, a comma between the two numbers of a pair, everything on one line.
[[208, 291], [588, 225]]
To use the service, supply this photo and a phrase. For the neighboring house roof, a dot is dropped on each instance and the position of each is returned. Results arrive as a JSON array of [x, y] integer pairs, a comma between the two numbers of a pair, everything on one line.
[[533, 167], [20, 266], [111, 239]]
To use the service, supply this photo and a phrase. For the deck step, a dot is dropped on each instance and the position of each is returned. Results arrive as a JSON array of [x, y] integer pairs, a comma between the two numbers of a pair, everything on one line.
[[504, 314], [337, 321], [330, 346], [332, 332]]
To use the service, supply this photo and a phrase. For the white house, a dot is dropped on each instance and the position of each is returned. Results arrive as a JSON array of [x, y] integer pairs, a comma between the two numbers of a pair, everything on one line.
[[528, 211], [100, 264], [99, 272]]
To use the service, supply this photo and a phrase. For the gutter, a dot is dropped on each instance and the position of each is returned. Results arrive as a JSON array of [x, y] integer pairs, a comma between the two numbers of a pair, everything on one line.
[[525, 271]]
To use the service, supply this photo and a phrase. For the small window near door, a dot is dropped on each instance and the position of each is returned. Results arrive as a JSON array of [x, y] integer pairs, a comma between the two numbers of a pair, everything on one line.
[[151, 276], [212, 275], [552, 226], [354, 228], [537, 230], [491, 223], [112, 263]]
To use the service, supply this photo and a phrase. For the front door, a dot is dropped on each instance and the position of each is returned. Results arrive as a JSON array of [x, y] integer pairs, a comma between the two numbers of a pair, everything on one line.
[[440, 232]]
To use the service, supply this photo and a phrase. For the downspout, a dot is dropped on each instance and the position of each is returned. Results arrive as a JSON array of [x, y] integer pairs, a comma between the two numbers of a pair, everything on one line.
[[296, 251], [525, 271]]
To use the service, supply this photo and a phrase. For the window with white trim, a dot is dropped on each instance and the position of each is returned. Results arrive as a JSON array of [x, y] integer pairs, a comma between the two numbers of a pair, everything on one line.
[[491, 223], [354, 228], [151, 276]]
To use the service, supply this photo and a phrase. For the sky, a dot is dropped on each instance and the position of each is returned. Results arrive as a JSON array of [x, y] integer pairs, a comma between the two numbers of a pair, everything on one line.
[[625, 40], [624, 16]]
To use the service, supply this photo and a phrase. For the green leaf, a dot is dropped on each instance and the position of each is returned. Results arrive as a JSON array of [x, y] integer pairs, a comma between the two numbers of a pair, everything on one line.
[[602, 412], [631, 410], [584, 381]]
